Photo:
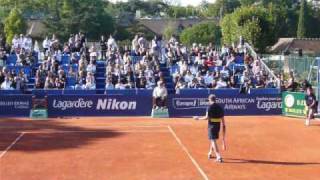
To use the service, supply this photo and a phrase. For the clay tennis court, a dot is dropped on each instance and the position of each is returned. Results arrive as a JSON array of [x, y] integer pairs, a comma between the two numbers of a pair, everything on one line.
[[144, 148]]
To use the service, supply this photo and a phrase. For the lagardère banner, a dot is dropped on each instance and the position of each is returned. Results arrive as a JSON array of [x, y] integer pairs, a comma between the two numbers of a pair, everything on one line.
[[15, 105], [99, 105], [181, 105]]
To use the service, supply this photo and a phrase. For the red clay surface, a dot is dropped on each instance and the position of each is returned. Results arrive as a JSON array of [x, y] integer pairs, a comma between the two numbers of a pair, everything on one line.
[[144, 148]]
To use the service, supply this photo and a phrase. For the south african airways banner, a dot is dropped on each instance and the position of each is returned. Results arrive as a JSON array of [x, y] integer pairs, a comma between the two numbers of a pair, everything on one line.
[[241, 104]]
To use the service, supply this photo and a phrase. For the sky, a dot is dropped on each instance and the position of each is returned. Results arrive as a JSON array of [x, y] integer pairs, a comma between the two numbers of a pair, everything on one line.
[[182, 2]]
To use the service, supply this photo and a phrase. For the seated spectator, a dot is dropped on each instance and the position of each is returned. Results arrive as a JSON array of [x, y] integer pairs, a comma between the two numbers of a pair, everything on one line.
[[225, 72], [221, 84], [159, 95], [72, 72], [208, 78], [109, 84], [260, 83], [91, 67], [292, 84], [120, 85], [181, 84], [150, 83], [20, 81], [194, 84], [7, 84], [90, 82], [142, 83], [188, 77], [49, 83], [271, 83], [232, 82]]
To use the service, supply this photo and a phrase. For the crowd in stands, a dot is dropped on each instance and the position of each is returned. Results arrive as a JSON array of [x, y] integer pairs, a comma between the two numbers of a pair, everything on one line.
[[77, 64]]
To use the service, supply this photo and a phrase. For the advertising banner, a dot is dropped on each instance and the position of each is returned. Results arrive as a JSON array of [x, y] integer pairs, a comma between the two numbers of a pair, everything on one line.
[[236, 105], [294, 104], [99, 105], [15, 105]]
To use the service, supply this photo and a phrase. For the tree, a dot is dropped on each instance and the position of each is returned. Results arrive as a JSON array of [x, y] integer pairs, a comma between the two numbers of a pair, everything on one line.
[[302, 32], [253, 23], [221, 7], [169, 31], [80, 15], [204, 33], [14, 24]]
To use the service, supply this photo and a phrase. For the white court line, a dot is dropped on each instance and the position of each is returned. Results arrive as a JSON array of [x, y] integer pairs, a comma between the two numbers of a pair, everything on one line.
[[97, 126], [97, 131], [189, 155], [11, 145]]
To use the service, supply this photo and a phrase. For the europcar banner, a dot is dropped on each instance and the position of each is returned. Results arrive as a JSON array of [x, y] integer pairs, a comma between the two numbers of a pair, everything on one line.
[[241, 104], [294, 104], [15, 105], [99, 105]]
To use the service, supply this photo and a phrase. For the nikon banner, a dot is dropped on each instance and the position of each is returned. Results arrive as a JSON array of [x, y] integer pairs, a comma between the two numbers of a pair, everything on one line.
[[293, 104]]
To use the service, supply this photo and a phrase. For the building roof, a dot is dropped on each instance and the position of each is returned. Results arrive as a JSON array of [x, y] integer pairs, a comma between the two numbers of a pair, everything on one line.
[[158, 26], [308, 45]]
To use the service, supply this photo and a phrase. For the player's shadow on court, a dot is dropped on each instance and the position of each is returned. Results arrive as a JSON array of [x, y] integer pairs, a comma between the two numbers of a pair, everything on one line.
[[44, 135], [283, 163]]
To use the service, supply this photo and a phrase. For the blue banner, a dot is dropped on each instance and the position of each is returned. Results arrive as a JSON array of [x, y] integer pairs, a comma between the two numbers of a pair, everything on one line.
[[236, 105], [99, 105], [15, 105]]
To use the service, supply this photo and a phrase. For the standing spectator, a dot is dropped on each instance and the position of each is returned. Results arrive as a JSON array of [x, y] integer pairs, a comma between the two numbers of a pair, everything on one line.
[[103, 48], [112, 45], [46, 44]]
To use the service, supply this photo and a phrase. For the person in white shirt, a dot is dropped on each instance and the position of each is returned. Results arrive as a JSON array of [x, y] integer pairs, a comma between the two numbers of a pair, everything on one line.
[[135, 45], [221, 84], [120, 85], [208, 79], [27, 43], [109, 84], [224, 72], [20, 41], [112, 45], [159, 95], [188, 77], [150, 83], [46, 44], [93, 53], [90, 82], [7, 84], [15, 42], [91, 67]]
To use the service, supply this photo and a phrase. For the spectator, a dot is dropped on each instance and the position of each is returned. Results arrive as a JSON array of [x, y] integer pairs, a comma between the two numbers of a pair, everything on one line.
[[46, 44], [292, 84], [103, 47], [109, 84], [90, 82], [7, 84], [221, 84], [120, 85], [91, 67]]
